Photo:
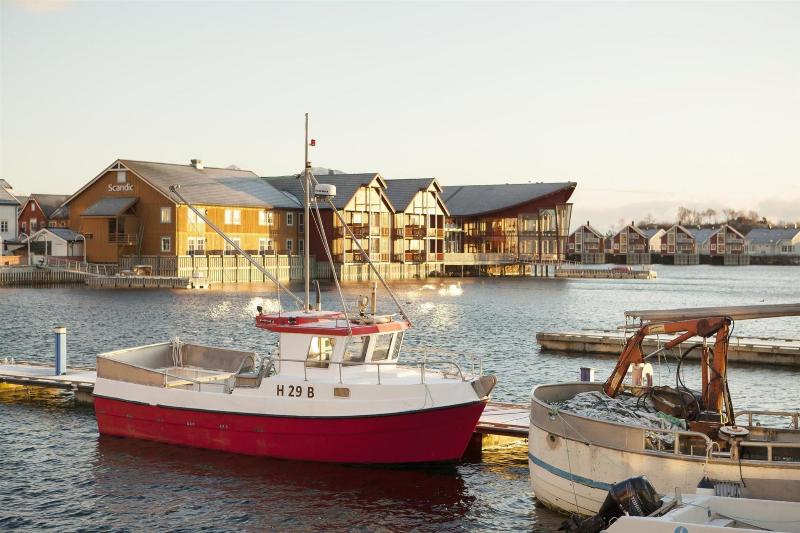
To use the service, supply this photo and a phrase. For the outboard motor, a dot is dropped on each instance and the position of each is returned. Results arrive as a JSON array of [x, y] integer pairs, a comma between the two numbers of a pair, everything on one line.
[[632, 497]]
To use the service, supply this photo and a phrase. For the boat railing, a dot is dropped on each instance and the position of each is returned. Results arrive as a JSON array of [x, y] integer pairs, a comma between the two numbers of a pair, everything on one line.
[[793, 415], [423, 366], [461, 359], [677, 436], [765, 451]]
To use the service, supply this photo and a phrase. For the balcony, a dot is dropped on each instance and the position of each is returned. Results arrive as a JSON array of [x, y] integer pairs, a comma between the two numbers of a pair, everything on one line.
[[122, 238]]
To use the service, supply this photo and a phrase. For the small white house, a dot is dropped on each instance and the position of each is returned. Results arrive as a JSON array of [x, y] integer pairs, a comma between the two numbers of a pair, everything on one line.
[[774, 241], [8, 214], [57, 242]]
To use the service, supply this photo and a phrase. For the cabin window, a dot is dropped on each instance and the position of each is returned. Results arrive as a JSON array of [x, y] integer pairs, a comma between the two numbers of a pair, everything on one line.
[[356, 350], [398, 341], [320, 352], [382, 345]]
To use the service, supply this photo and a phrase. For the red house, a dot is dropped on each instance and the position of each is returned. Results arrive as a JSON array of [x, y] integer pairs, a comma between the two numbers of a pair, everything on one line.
[[43, 211]]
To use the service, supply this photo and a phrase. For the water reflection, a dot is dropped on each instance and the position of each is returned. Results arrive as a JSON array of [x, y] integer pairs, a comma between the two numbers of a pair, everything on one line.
[[268, 493]]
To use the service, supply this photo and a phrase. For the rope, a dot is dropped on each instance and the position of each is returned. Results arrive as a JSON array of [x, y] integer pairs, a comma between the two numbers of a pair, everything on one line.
[[569, 465], [318, 224]]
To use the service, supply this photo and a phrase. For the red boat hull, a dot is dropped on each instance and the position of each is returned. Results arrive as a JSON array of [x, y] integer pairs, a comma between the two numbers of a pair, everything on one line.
[[429, 435]]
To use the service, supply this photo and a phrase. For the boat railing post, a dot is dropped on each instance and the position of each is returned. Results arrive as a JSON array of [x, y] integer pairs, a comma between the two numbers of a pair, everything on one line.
[[677, 446], [379, 373], [795, 417], [340, 371], [750, 420], [422, 373], [305, 370]]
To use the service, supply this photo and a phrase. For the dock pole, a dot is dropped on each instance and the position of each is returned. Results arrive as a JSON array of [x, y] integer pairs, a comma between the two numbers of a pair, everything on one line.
[[61, 350]]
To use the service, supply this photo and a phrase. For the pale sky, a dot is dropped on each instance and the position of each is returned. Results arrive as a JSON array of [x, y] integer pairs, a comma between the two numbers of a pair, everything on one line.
[[646, 105]]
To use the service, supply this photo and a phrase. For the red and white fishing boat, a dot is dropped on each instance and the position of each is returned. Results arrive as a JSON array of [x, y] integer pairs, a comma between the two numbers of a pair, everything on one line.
[[335, 391]]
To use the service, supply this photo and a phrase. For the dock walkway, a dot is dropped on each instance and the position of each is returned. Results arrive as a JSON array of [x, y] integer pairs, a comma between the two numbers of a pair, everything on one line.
[[751, 350]]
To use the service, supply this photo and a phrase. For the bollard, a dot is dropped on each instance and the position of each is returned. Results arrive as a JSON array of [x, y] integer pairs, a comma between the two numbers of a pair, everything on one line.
[[587, 374], [61, 350]]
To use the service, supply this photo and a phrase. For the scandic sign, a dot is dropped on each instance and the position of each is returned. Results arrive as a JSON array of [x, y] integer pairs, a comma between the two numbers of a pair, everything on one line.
[[128, 187]]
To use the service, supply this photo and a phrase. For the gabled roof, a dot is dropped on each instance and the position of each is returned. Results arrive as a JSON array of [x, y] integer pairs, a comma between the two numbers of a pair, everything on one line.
[[401, 192], [772, 235], [62, 233], [346, 186], [110, 206], [206, 186], [701, 235], [467, 200], [681, 228], [590, 228], [6, 198], [649, 233], [209, 185], [48, 203], [635, 230]]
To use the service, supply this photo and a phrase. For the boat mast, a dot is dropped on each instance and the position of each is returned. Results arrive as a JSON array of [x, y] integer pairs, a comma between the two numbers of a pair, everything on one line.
[[306, 225]]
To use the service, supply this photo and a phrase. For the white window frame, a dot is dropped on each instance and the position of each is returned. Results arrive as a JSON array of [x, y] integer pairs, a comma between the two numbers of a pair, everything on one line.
[[301, 246], [122, 176], [300, 219], [192, 218], [228, 216], [4, 226], [228, 249], [265, 246], [237, 217], [168, 212], [168, 240], [289, 219], [289, 246]]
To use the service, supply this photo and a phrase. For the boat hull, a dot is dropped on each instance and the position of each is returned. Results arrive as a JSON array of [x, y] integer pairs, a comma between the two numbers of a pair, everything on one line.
[[428, 435], [574, 477]]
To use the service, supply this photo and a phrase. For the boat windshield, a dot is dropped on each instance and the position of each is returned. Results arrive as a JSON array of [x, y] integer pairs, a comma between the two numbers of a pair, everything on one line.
[[356, 350], [382, 345]]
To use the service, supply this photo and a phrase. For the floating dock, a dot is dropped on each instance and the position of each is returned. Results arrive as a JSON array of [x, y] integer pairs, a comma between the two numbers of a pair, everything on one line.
[[751, 350], [604, 273], [137, 282]]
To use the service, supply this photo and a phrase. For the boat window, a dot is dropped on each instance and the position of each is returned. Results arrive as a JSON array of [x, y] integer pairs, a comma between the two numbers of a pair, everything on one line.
[[356, 350], [382, 344], [396, 346], [320, 352]]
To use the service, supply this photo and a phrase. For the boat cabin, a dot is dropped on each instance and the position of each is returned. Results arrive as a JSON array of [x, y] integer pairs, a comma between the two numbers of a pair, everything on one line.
[[326, 342]]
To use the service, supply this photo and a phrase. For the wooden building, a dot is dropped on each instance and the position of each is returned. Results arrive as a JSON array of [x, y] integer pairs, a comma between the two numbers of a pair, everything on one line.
[[586, 245], [362, 201], [779, 241], [679, 246], [629, 240], [43, 211], [529, 221], [9, 207], [128, 210], [419, 221], [653, 236]]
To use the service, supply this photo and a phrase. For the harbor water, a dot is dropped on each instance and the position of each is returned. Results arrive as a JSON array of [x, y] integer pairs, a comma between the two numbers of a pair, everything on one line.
[[58, 473]]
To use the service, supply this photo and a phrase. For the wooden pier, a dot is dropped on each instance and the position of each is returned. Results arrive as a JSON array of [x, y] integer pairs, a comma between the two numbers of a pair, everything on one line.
[[750, 350], [137, 282]]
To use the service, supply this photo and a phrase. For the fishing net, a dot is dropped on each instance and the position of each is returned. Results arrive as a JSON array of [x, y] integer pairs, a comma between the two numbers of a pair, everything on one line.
[[625, 409]]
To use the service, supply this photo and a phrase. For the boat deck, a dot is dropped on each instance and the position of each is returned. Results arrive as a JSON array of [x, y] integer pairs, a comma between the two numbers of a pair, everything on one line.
[[503, 419]]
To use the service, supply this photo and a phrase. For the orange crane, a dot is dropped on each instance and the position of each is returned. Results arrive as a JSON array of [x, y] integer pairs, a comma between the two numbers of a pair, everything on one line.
[[713, 363]]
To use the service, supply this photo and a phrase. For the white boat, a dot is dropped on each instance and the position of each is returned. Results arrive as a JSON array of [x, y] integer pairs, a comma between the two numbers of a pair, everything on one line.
[[634, 506], [714, 514], [575, 456], [335, 391]]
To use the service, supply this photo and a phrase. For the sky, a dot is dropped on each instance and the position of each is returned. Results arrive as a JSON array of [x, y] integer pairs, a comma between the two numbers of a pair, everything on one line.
[[647, 105]]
